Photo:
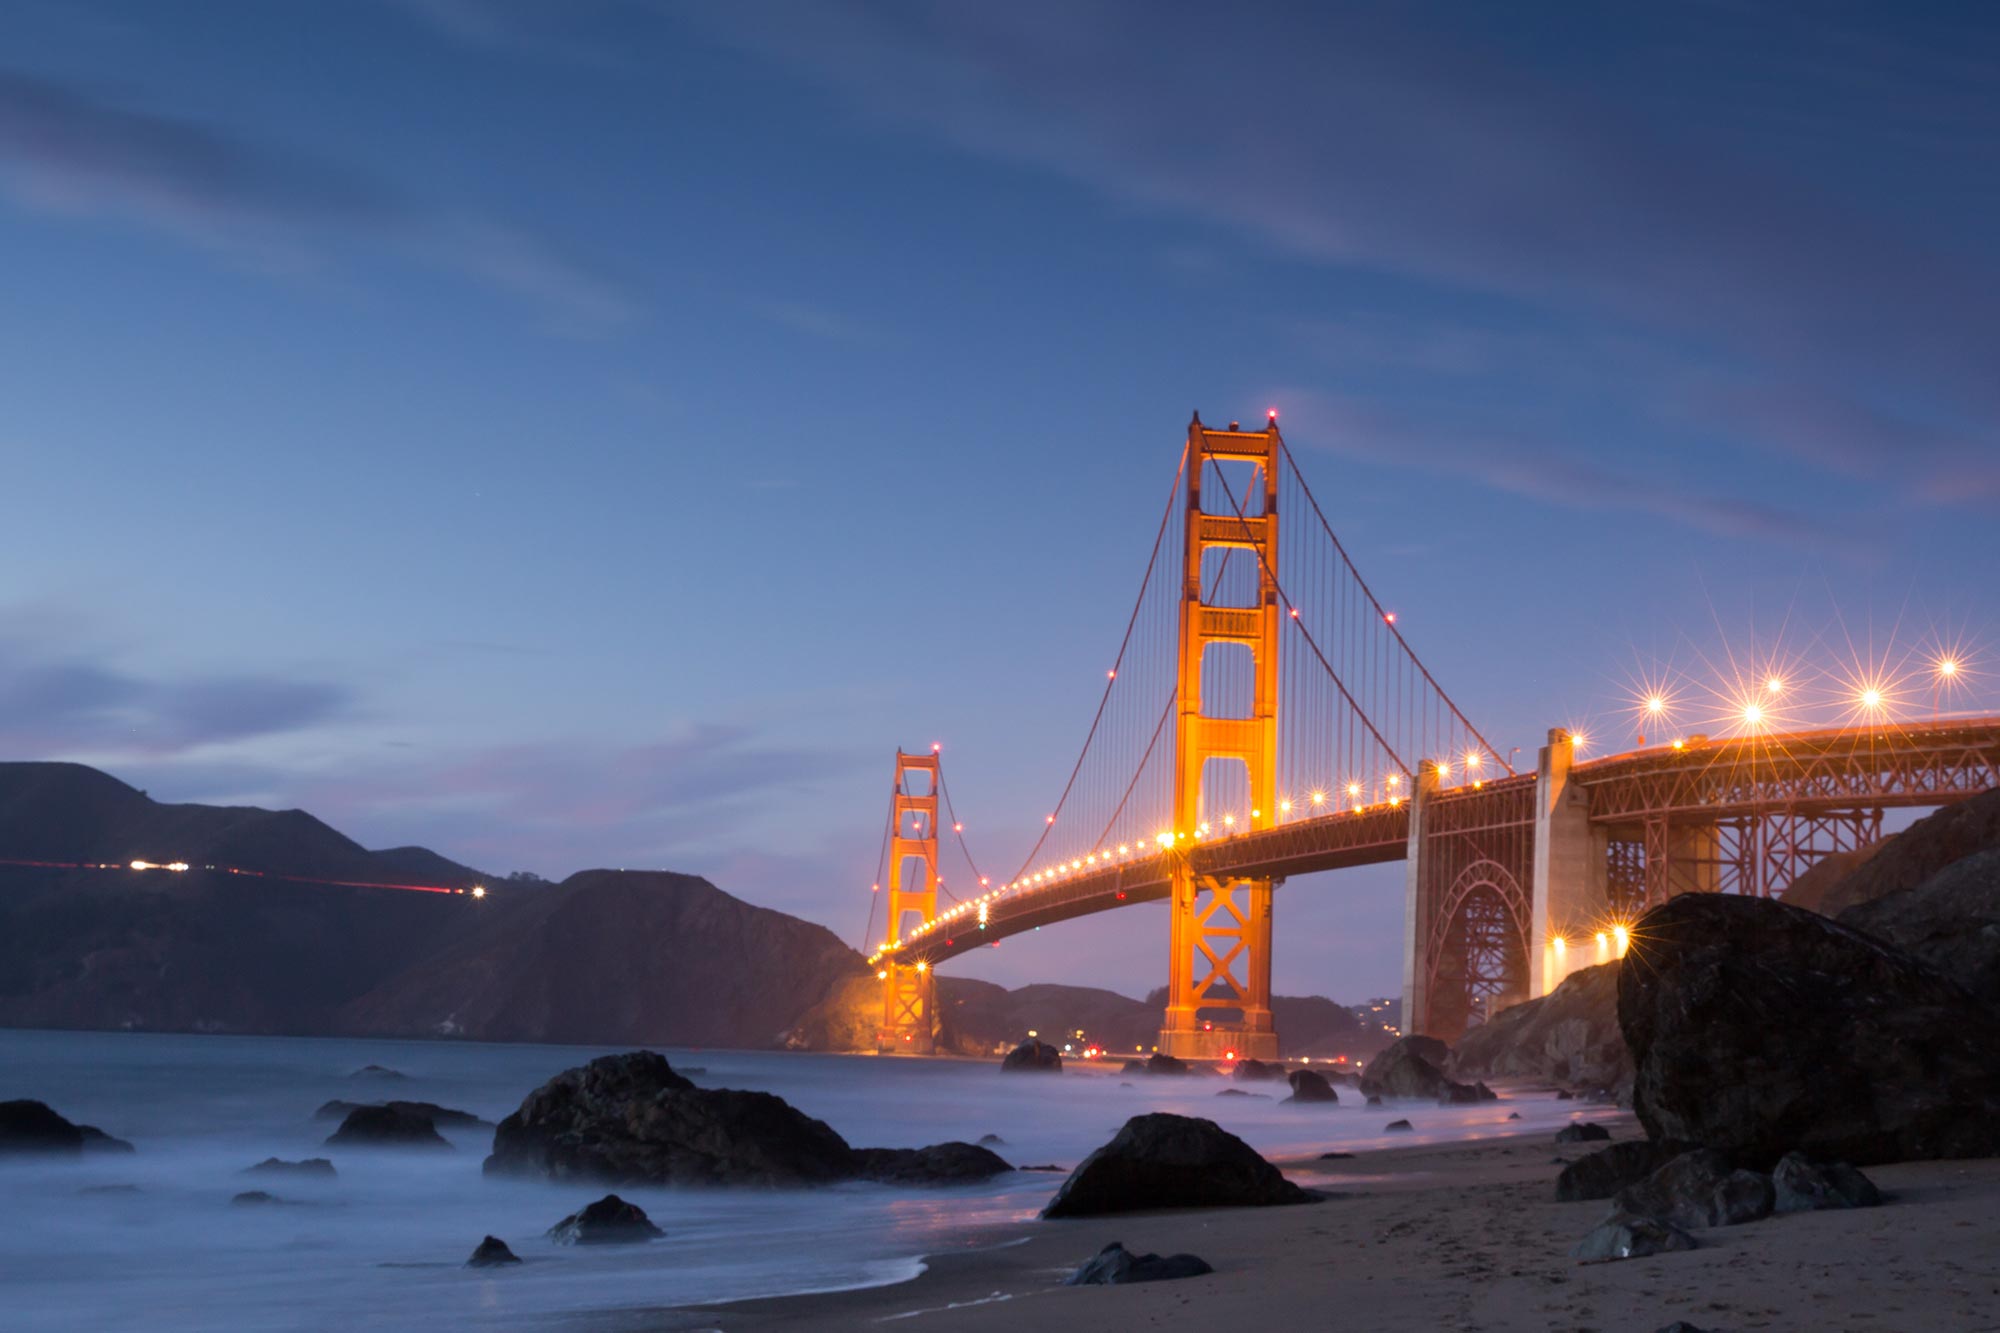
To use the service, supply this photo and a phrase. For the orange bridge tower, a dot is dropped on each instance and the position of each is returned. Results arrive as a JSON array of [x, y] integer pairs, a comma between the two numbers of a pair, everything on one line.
[[909, 1017], [1219, 967]]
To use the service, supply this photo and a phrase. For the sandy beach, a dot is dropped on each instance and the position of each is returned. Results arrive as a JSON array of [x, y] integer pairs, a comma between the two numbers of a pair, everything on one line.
[[1461, 1236]]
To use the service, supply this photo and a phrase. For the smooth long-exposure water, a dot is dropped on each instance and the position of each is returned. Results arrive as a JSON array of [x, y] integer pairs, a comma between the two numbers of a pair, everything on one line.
[[382, 1246]]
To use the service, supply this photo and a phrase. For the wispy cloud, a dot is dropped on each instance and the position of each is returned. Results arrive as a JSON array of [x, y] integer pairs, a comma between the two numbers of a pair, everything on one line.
[[65, 150], [53, 705]]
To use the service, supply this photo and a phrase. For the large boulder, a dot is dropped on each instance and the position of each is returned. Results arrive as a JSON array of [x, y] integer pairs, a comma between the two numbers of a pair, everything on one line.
[[1171, 1161], [1114, 1265], [28, 1127], [1757, 1028], [1951, 921], [1920, 851], [609, 1221], [1257, 1071], [492, 1253], [1033, 1057], [1413, 1067], [1699, 1189], [939, 1164], [386, 1127], [630, 1119], [1569, 1036], [1310, 1087]]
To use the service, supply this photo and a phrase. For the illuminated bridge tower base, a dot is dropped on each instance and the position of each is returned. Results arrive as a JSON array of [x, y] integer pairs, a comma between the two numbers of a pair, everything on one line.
[[1219, 967], [909, 1011]]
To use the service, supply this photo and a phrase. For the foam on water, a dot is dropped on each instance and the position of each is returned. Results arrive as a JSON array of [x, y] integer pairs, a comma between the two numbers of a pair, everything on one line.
[[382, 1246]]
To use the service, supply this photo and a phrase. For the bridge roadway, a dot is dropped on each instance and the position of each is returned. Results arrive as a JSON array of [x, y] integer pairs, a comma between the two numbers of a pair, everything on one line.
[[1795, 773]]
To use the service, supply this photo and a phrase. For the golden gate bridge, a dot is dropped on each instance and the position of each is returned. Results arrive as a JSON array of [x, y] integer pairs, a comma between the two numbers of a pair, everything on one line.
[[1265, 717]]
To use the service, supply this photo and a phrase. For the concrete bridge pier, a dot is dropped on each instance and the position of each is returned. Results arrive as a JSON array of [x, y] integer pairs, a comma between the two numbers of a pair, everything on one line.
[[1570, 890]]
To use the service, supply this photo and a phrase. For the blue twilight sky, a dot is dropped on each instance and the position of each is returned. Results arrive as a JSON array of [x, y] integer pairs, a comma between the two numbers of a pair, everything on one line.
[[598, 432]]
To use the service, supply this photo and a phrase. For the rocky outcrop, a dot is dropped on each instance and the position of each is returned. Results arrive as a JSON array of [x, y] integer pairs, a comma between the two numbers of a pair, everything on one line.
[[630, 1119], [1037, 1057], [1757, 1028], [1569, 1036], [1623, 1236], [1602, 1174], [28, 1127], [1920, 851], [1310, 1087], [1114, 1265], [1700, 1189], [609, 1221], [1811, 888], [492, 1253], [1171, 1161], [312, 1168], [939, 1164], [1951, 921], [387, 1127]]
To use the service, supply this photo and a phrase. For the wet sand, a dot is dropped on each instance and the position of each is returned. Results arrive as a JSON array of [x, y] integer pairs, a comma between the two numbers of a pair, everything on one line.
[[1461, 1236]]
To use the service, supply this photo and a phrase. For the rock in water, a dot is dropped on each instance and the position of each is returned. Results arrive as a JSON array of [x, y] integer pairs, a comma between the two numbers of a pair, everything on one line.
[[386, 1127], [631, 1119], [1699, 1189], [1464, 1094], [992, 1141], [492, 1253], [1951, 921], [254, 1198], [1608, 1170], [1115, 1266], [439, 1115], [939, 1164], [1757, 1028], [1803, 1185], [315, 1167], [1036, 1057], [1310, 1087], [1257, 1071], [1622, 1236], [378, 1072], [1581, 1132], [33, 1127], [1158, 1063], [1413, 1067], [609, 1221], [1397, 1126], [1171, 1161]]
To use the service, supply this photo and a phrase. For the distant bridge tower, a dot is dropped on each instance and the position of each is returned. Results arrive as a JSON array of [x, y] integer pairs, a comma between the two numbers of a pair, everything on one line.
[[909, 1017], [1219, 968]]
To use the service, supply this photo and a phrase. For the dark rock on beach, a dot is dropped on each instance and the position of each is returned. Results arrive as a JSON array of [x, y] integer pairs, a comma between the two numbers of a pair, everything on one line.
[[1608, 1170], [1569, 1036], [1803, 1185], [492, 1253], [1310, 1087], [386, 1127], [939, 1164], [1699, 1189], [1623, 1236], [1414, 1067], [310, 1168], [1397, 1126], [1171, 1161], [34, 1127], [1114, 1265], [609, 1221], [1037, 1057], [1582, 1132], [1757, 1028]]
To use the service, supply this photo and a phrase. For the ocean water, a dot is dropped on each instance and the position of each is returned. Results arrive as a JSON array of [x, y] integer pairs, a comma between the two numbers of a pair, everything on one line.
[[383, 1245]]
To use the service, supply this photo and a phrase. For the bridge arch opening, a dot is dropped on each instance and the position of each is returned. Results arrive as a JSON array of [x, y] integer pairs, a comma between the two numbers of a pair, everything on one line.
[[1479, 952]]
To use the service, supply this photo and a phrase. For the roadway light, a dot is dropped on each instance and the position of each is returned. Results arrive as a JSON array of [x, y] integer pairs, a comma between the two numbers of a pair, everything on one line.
[[1775, 685], [1656, 705], [1948, 667]]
